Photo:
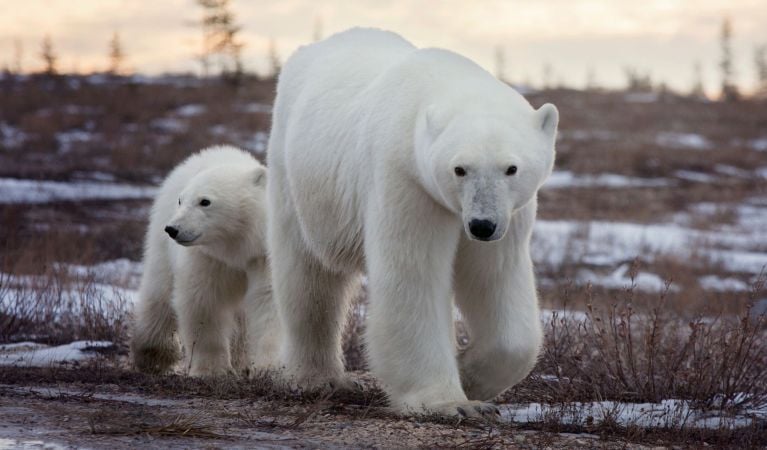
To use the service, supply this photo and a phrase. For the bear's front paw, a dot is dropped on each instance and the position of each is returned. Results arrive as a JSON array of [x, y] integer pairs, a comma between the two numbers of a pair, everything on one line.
[[155, 360], [467, 409]]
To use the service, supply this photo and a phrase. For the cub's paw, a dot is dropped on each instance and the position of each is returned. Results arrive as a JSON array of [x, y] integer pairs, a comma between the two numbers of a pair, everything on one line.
[[212, 370], [155, 360], [465, 410]]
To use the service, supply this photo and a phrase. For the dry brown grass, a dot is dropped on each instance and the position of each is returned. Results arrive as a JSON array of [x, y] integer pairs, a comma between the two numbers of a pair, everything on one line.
[[57, 308], [122, 118], [626, 353], [117, 424], [43, 299]]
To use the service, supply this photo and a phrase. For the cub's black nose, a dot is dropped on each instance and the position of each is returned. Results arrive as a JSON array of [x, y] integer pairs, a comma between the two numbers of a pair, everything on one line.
[[481, 229], [172, 232]]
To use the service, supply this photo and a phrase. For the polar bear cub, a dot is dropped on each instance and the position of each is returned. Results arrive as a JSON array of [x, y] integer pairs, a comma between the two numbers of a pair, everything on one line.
[[205, 270], [422, 169]]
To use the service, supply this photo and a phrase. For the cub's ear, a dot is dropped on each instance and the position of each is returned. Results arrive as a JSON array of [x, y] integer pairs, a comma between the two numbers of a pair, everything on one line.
[[547, 118], [259, 176]]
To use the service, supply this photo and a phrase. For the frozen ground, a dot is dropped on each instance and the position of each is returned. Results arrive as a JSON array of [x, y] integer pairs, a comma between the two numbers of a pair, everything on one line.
[[120, 416], [565, 180], [665, 414], [30, 354], [40, 191]]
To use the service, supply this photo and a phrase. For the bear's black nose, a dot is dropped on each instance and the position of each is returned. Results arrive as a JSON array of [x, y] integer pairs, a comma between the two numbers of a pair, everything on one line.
[[481, 229], [173, 232]]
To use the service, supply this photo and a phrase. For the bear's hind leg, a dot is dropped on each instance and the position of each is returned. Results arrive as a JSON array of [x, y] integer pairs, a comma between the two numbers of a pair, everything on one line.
[[312, 304], [312, 301], [262, 323]]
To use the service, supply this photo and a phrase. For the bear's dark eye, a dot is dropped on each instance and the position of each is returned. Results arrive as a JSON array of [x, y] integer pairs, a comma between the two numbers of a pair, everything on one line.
[[460, 171], [205, 202], [179, 201], [511, 170]]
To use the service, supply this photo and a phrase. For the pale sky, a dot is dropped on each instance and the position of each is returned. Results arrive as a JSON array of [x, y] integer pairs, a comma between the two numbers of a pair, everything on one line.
[[662, 37]]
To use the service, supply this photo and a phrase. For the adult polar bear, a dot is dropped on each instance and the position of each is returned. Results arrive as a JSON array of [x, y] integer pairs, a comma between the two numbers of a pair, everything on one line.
[[380, 155]]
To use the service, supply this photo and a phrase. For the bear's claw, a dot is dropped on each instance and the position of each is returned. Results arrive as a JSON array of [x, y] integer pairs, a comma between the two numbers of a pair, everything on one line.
[[468, 409]]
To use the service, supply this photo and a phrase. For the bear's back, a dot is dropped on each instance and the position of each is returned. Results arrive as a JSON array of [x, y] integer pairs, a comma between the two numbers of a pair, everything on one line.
[[339, 67]]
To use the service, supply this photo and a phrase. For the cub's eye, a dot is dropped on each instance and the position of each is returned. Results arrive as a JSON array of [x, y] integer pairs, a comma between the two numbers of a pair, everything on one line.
[[205, 202], [179, 201], [511, 170], [460, 171]]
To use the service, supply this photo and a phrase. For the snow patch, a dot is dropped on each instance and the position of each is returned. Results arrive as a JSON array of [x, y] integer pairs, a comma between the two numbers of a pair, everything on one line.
[[169, 125], [683, 140], [16, 191], [719, 284], [759, 144], [69, 140], [732, 171], [587, 135], [44, 356], [697, 177], [666, 414], [11, 137], [190, 110], [567, 179], [258, 142], [621, 279], [610, 243]]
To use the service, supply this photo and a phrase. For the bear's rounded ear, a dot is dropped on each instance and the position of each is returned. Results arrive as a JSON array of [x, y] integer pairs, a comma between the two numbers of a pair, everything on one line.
[[548, 118], [433, 120], [259, 176]]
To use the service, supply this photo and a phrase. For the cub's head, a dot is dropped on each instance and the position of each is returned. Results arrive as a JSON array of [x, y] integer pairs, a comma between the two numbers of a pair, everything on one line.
[[221, 205], [486, 165]]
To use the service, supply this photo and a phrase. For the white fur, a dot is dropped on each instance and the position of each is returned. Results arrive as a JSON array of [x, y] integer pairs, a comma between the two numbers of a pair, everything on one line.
[[197, 284], [367, 132]]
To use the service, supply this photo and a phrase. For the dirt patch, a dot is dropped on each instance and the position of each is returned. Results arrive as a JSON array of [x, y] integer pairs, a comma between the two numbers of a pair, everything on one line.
[[109, 415]]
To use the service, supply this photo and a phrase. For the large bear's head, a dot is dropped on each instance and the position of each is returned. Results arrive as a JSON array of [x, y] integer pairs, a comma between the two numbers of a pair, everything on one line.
[[486, 164], [221, 209]]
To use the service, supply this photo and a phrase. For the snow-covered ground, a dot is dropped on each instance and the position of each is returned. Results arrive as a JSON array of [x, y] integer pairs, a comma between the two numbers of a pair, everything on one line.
[[610, 243], [739, 247], [683, 141], [620, 279], [666, 414], [566, 179], [11, 137], [257, 142], [13, 190], [30, 354], [72, 139]]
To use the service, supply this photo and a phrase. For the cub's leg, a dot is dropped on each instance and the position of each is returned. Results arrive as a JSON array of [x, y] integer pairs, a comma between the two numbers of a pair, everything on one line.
[[154, 346], [206, 298]]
